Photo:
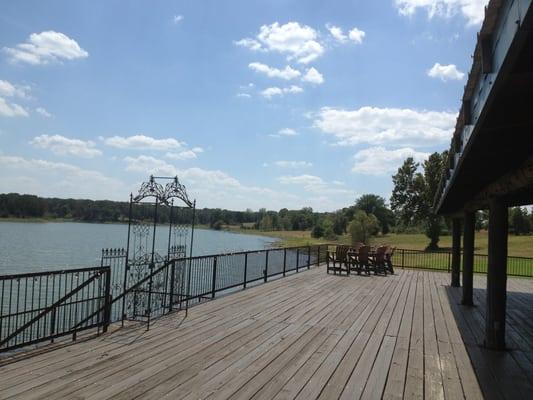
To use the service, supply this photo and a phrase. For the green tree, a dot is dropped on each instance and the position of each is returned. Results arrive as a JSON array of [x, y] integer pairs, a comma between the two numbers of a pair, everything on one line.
[[363, 226], [374, 204], [433, 170], [519, 221], [405, 194]]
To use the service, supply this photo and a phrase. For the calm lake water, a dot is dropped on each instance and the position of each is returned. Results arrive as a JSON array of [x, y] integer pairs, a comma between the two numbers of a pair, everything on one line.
[[29, 247]]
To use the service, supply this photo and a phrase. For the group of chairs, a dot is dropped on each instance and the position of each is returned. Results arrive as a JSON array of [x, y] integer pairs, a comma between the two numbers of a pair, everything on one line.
[[360, 258]]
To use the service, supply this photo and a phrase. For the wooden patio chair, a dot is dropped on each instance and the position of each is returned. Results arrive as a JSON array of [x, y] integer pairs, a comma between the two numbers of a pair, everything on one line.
[[353, 259], [363, 259], [388, 258], [380, 260], [337, 261]]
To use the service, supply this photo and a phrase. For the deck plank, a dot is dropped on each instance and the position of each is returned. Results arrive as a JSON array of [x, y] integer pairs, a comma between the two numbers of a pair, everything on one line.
[[307, 336]]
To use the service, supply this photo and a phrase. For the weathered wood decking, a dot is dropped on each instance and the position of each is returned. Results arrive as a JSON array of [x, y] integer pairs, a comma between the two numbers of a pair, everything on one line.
[[307, 336]]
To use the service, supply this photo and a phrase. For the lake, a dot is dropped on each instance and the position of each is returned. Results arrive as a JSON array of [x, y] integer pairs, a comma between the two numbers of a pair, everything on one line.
[[41, 246]]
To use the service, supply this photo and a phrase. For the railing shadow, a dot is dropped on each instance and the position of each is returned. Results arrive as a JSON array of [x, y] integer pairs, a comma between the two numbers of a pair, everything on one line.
[[501, 374]]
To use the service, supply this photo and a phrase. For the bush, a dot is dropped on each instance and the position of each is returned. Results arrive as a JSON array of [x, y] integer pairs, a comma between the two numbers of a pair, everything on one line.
[[363, 226], [317, 231], [217, 225]]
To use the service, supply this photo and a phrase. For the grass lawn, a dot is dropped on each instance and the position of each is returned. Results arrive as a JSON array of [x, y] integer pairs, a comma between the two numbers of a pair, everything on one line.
[[520, 246]]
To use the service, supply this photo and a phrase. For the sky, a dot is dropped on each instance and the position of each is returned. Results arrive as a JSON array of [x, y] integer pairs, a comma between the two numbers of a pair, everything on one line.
[[279, 103]]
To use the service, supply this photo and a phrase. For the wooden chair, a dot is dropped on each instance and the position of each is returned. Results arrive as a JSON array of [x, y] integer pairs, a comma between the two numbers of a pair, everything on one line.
[[388, 258], [363, 259], [353, 260], [380, 260], [340, 257]]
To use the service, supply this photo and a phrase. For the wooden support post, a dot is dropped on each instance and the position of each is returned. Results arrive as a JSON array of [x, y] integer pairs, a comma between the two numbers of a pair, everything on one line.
[[456, 252], [468, 257], [496, 276]]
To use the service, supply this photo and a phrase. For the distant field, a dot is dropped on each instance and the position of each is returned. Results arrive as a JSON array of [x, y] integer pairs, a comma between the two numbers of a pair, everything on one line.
[[520, 246]]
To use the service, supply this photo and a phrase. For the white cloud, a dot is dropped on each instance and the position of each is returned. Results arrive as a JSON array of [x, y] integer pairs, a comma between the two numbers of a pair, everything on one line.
[[298, 42], [445, 72], [46, 47], [318, 186], [185, 154], [245, 95], [472, 10], [8, 109], [149, 165], [386, 126], [380, 161], [143, 142], [64, 146], [293, 164], [43, 112], [337, 33], [313, 76], [53, 179], [287, 73], [287, 132], [356, 35], [251, 44], [276, 91], [177, 19], [7, 89]]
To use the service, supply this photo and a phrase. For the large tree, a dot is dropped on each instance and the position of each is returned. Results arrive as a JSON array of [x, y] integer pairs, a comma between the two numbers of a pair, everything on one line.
[[405, 199], [414, 193], [374, 204]]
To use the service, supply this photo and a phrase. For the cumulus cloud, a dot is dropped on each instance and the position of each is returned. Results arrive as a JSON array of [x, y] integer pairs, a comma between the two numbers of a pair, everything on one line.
[[276, 91], [356, 35], [472, 10], [337, 33], [245, 95], [143, 142], [316, 185], [381, 161], [177, 19], [44, 48], [7, 89], [286, 73], [292, 164], [52, 179], [185, 154], [43, 112], [62, 145], [8, 109], [284, 132], [298, 42], [386, 126], [313, 76], [445, 72]]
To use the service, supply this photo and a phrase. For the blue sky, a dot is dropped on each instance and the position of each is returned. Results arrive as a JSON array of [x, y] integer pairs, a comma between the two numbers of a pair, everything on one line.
[[280, 103]]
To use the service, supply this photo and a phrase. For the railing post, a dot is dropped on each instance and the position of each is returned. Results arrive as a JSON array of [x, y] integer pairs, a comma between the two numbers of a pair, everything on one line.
[[213, 285], [245, 269], [266, 267], [107, 300], [297, 258], [403, 255], [172, 279], [449, 260], [284, 261], [308, 257], [318, 256], [52, 325]]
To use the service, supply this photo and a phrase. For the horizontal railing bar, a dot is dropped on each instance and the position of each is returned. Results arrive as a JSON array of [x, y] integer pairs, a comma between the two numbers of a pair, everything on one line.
[[51, 272]]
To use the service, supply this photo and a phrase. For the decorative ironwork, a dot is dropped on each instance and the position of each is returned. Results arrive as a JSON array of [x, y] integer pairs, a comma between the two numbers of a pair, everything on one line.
[[150, 189], [175, 189]]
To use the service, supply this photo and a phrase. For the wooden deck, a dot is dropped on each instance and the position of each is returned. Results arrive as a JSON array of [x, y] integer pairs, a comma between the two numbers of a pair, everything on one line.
[[308, 336]]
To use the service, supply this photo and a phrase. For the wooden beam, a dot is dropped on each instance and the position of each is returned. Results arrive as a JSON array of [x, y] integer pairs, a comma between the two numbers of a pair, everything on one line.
[[468, 257], [514, 181], [497, 276], [456, 252]]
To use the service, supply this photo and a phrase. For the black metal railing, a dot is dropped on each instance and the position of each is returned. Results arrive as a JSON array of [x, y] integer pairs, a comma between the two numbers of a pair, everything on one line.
[[442, 261], [43, 306]]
